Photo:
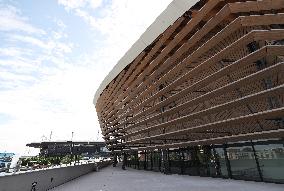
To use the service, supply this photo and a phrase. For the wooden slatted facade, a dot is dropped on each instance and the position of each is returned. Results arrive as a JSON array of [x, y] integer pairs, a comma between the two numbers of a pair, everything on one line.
[[216, 75]]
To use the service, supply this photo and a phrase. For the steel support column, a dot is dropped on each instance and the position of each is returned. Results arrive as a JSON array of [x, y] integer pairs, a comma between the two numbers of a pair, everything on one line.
[[228, 164]]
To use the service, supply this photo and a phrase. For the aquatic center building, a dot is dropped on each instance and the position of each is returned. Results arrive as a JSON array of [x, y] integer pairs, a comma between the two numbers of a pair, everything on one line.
[[201, 92]]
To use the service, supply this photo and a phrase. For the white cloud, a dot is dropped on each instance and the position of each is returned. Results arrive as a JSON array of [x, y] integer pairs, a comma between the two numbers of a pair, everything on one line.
[[76, 4], [72, 4], [60, 103], [61, 28], [12, 20], [53, 44], [122, 24], [95, 3], [40, 89], [46, 90], [13, 51], [31, 40]]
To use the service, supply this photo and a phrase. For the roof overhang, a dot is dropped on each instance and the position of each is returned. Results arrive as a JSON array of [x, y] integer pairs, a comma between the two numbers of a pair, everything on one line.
[[174, 10]]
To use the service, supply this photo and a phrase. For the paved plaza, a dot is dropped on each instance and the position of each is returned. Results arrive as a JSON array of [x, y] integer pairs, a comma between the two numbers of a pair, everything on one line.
[[116, 179]]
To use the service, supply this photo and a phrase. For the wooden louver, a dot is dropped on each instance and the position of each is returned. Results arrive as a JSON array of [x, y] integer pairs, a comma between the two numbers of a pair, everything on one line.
[[213, 76]]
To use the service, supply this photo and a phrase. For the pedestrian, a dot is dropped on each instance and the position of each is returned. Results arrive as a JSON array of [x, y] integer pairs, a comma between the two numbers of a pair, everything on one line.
[[124, 161], [114, 160]]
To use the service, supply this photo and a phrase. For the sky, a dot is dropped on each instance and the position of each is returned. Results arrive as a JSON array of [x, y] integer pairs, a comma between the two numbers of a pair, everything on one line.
[[53, 56]]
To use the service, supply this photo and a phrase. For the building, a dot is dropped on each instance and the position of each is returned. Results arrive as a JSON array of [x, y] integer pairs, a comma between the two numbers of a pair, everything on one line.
[[201, 92], [63, 148]]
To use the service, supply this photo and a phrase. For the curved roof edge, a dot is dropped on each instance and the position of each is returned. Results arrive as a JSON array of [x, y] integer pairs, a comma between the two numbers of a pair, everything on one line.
[[174, 10]]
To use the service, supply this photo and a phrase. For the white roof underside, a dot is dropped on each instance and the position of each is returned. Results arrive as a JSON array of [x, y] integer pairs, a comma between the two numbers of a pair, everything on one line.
[[174, 10]]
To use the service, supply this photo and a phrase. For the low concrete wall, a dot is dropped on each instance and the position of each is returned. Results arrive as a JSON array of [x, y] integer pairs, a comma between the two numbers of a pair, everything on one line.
[[45, 179]]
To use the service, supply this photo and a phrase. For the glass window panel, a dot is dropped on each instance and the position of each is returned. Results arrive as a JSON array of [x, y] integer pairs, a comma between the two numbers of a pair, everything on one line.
[[271, 161], [156, 161], [243, 164], [175, 162], [221, 157]]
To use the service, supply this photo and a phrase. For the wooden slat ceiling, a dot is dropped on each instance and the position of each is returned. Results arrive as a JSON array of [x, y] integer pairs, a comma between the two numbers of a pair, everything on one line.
[[215, 75]]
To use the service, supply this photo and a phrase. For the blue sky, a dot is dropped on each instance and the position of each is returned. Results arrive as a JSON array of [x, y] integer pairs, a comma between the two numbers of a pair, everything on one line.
[[53, 56]]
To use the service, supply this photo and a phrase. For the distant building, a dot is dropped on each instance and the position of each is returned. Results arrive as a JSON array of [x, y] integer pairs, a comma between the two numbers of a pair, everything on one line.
[[5, 160], [63, 148]]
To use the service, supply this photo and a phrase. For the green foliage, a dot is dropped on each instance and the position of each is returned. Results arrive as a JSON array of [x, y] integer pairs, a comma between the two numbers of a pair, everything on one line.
[[25, 161], [66, 159]]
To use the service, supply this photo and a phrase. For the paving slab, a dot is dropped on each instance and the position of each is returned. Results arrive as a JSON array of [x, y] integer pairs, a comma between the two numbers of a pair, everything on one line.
[[116, 179]]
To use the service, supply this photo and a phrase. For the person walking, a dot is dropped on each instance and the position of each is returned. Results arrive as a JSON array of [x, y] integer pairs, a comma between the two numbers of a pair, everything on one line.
[[114, 160], [124, 161]]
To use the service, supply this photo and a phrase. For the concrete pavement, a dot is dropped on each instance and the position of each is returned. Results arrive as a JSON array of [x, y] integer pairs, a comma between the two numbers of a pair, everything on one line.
[[116, 179]]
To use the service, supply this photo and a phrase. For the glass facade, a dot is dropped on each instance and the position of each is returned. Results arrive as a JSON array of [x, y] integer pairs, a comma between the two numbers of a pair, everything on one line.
[[156, 157], [175, 161], [243, 163], [261, 160], [271, 161], [221, 162]]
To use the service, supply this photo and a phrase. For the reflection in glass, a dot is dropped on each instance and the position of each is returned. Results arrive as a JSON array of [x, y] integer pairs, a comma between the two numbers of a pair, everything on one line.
[[222, 161], [243, 164], [271, 161]]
